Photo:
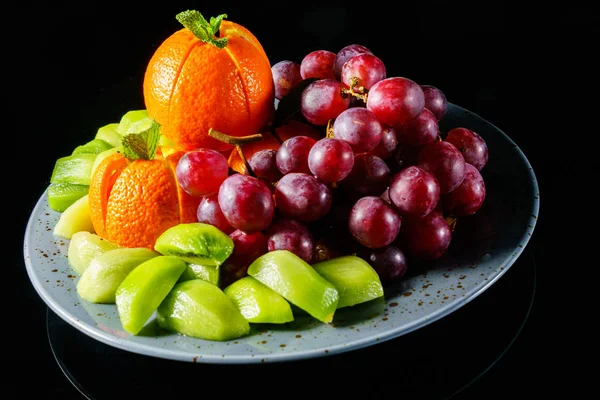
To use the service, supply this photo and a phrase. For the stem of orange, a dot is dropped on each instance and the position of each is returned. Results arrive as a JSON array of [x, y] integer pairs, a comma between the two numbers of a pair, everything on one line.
[[237, 142]]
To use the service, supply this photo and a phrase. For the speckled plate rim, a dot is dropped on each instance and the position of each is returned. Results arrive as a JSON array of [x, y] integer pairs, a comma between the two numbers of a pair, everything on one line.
[[123, 342]]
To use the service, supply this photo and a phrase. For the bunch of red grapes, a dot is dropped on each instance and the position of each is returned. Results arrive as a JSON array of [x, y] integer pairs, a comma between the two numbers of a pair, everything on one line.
[[379, 179]]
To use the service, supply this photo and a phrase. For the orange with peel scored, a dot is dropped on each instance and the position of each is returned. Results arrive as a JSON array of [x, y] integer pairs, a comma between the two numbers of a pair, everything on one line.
[[134, 199], [196, 80]]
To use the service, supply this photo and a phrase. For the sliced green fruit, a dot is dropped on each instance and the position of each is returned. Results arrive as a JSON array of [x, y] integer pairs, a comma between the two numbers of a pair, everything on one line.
[[75, 218], [62, 195], [354, 278], [208, 273], [259, 303], [196, 243], [109, 134], [83, 247], [94, 146], [298, 282], [202, 310], [146, 286], [76, 169], [134, 121], [105, 154], [106, 271]]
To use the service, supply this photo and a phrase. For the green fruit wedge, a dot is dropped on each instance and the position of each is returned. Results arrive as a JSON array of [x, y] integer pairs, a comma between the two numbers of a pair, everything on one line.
[[94, 146], [259, 303], [75, 169], [105, 154], [298, 282], [146, 286], [355, 280], [208, 273], [200, 309], [62, 195], [83, 247], [75, 218], [134, 121], [99, 281], [196, 243], [109, 134]]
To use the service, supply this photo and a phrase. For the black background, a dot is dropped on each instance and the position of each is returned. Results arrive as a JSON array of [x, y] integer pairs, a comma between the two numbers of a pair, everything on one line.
[[70, 67]]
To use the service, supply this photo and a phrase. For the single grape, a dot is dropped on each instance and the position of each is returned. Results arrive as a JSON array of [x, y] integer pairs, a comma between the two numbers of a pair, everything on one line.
[[323, 100], [389, 262], [292, 155], [201, 172], [396, 100], [468, 197], [246, 202], [359, 127], [209, 212], [291, 235], [425, 239], [303, 197], [318, 64], [330, 159], [414, 192], [370, 175], [373, 222], [388, 144], [366, 68], [246, 248], [344, 54], [472, 146], [419, 131], [264, 165], [286, 76], [445, 162], [435, 101]]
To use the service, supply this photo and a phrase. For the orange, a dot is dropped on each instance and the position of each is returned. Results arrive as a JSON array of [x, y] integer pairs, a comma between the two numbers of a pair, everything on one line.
[[133, 202], [191, 85]]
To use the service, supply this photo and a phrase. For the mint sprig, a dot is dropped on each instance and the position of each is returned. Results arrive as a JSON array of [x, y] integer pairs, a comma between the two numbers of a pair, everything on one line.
[[201, 28], [142, 145]]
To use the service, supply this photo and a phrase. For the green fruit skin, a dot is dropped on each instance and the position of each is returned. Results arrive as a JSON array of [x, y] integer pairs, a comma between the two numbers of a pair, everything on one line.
[[298, 282], [99, 281], [75, 169], [83, 247], [94, 146], [142, 291], [258, 303], [354, 278], [109, 134], [62, 195], [208, 273], [196, 243], [75, 218], [200, 309]]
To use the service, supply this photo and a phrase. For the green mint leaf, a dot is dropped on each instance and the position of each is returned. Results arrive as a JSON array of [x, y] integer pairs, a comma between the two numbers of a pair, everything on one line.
[[201, 28], [215, 23], [219, 42], [142, 145]]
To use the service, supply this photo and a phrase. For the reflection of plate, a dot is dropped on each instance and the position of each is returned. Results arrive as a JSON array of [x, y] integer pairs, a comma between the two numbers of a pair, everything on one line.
[[483, 247]]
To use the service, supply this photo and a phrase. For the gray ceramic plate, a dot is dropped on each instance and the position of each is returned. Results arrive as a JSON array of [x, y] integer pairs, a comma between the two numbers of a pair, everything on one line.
[[483, 248]]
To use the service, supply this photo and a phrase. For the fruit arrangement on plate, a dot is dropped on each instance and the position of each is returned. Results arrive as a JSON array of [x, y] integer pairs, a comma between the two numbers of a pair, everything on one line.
[[250, 193]]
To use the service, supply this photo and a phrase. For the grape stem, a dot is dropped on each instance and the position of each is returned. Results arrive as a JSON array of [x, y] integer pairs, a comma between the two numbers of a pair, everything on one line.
[[329, 129], [357, 91], [237, 142]]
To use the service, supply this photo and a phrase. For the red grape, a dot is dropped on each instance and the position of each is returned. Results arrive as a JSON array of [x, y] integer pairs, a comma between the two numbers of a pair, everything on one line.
[[367, 68], [359, 127], [388, 144], [292, 155], [209, 212], [425, 239], [389, 262], [201, 172], [435, 101], [396, 100], [445, 162], [370, 175], [468, 197], [420, 130], [286, 75], [318, 64], [291, 235], [373, 222], [330, 159], [414, 192], [323, 100], [246, 248], [344, 54], [264, 165], [303, 197], [472, 146], [246, 202]]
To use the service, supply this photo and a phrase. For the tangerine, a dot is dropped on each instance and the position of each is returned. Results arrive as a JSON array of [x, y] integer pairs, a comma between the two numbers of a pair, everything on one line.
[[196, 80]]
